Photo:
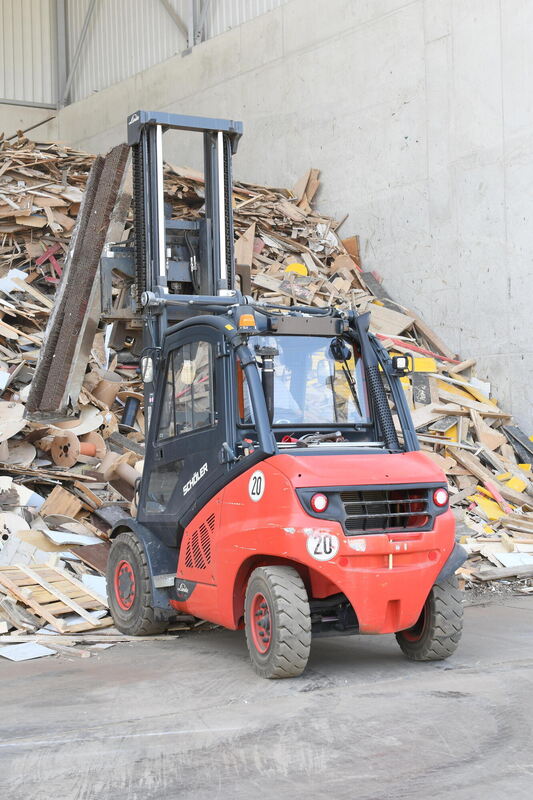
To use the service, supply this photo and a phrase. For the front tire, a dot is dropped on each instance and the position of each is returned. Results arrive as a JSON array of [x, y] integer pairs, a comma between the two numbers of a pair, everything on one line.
[[277, 622], [437, 632], [129, 587]]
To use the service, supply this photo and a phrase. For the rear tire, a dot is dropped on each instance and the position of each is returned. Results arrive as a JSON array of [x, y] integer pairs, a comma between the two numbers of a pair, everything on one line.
[[437, 632], [129, 588], [277, 622]]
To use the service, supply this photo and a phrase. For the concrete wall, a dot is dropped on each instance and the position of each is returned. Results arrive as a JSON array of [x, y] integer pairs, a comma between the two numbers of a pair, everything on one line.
[[420, 116], [15, 118]]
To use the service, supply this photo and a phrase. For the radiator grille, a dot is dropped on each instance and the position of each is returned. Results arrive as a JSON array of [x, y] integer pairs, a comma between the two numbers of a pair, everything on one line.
[[375, 510]]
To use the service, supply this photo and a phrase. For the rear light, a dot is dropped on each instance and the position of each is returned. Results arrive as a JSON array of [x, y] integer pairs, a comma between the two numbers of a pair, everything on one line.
[[440, 497], [319, 502]]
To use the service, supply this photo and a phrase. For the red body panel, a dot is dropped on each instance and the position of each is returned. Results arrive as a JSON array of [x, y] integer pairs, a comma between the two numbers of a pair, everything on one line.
[[386, 576]]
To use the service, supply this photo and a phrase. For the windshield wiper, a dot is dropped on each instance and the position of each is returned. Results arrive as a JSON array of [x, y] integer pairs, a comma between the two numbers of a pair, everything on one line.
[[353, 387]]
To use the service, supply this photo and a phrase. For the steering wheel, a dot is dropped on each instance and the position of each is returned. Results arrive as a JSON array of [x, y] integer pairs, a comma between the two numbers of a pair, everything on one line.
[[282, 422]]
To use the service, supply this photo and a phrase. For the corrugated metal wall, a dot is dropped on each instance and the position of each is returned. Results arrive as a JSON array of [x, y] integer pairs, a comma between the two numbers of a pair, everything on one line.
[[27, 51], [225, 14], [124, 37]]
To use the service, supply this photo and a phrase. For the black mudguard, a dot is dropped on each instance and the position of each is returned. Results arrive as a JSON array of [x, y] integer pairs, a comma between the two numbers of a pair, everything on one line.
[[457, 557], [162, 559]]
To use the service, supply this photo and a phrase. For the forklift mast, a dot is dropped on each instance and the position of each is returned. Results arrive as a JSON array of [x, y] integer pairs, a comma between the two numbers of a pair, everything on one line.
[[176, 259]]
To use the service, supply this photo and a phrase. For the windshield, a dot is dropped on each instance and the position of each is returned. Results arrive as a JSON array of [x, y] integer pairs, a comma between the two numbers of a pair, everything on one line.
[[317, 380]]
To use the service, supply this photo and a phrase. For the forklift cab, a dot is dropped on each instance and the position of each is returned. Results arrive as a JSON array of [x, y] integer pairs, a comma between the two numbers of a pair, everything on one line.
[[228, 396]]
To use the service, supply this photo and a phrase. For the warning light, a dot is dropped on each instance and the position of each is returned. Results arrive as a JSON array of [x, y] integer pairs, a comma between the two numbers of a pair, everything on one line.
[[247, 321]]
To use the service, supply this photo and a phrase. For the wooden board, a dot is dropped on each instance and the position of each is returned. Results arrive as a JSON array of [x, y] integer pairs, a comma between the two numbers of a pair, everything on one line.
[[51, 592], [94, 556], [385, 320], [476, 468], [60, 501]]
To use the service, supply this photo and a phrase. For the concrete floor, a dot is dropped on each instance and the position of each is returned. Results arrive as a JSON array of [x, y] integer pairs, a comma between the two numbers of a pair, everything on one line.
[[189, 719]]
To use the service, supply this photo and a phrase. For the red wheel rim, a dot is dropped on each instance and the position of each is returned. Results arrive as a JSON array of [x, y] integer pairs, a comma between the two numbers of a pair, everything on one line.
[[418, 630], [260, 623], [125, 585]]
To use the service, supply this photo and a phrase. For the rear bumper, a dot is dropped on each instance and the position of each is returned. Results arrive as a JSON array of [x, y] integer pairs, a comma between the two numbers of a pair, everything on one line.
[[388, 581]]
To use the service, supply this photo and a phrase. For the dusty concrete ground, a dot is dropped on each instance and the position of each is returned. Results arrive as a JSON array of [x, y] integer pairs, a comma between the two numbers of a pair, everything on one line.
[[189, 719]]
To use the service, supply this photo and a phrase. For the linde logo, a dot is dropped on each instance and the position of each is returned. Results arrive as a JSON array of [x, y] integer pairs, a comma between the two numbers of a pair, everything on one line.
[[195, 478], [183, 588]]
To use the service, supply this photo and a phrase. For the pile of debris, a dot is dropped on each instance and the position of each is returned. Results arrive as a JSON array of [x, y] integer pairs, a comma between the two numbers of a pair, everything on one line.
[[64, 484]]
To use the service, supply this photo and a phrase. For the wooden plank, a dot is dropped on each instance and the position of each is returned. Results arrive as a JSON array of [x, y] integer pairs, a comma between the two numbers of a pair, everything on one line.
[[90, 496], [60, 595], [27, 601], [488, 437], [244, 247], [384, 320], [79, 585], [471, 463], [60, 501], [466, 402], [15, 333], [95, 556], [453, 408], [424, 415], [498, 573], [416, 348], [27, 287], [470, 362], [431, 337]]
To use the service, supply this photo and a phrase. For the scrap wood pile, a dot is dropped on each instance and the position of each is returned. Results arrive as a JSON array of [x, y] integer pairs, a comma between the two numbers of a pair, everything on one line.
[[64, 484]]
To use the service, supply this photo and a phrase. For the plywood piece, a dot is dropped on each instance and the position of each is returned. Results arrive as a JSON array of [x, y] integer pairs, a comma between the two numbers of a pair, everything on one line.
[[352, 246], [94, 556], [61, 501], [488, 437], [424, 415], [386, 321], [244, 247]]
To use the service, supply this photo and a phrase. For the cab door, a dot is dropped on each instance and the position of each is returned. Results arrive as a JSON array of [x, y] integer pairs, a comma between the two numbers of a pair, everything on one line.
[[185, 461]]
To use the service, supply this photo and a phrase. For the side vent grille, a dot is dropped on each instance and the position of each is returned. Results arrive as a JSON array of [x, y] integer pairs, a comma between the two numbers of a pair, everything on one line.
[[198, 551]]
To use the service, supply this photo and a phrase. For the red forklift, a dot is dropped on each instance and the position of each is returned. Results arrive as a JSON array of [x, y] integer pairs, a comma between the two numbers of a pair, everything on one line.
[[284, 491]]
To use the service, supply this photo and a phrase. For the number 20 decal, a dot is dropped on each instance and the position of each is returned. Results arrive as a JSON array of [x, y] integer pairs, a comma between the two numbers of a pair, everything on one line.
[[256, 485], [322, 546]]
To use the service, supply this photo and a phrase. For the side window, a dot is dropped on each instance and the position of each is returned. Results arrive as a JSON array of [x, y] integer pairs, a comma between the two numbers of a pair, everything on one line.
[[166, 421], [188, 397]]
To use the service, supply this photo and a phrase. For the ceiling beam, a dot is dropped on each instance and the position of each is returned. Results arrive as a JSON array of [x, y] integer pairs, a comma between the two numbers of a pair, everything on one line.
[[175, 17], [77, 52]]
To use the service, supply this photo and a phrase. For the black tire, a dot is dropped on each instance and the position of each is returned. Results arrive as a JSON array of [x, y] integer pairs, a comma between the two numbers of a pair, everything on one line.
[[437, 632], [283, 650], [128, 587]]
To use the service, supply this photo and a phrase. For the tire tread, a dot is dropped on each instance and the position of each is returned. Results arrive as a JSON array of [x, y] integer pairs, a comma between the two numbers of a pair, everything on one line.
[[145, 624], [445, 625], [292, 630]]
